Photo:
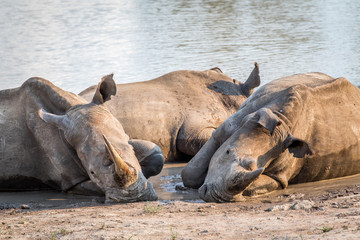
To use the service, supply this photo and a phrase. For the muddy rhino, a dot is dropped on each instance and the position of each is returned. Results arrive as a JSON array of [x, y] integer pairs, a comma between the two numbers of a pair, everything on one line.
[[179, 110], [295, 129], [50, 138]]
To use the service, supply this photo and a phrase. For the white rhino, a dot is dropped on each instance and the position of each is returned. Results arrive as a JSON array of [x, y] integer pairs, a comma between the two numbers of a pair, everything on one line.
[[179, 110], [50, 138], [295, 129]]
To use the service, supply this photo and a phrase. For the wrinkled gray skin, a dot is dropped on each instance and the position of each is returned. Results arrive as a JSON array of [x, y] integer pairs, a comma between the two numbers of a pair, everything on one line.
[[180, 110], [296, 129], [50, 138]]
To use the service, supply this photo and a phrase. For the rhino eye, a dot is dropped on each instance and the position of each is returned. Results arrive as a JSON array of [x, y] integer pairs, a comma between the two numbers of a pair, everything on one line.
[[227, 152], [106, 160]]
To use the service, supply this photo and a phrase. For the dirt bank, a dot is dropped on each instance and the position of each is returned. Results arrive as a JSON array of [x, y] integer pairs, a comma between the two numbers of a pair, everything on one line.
[[323, 210]]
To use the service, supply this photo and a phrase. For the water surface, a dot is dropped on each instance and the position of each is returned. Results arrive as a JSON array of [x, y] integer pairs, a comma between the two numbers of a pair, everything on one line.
[[75, 43]]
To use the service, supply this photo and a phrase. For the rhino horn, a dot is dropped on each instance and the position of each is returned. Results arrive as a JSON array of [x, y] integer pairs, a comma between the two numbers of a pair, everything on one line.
[[243, 179], [126, 174], [252, 82]]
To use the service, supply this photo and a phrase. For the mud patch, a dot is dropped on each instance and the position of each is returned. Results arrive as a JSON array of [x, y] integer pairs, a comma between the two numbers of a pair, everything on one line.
[[45, 199], [320, 210], [168, 184]]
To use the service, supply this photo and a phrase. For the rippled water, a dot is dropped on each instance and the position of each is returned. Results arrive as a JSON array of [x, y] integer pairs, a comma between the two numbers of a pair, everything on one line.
[[74, 43]]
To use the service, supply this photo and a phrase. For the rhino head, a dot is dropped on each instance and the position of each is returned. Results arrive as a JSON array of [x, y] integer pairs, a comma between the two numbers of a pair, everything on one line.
[[262, 137], [102, 147]]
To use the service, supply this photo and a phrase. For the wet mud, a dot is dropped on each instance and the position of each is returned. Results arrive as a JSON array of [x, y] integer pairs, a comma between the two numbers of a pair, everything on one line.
[[320, 210], [169, 187]]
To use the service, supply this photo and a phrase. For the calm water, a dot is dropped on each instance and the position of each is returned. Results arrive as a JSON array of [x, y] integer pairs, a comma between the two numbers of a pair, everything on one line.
[[75, 43]]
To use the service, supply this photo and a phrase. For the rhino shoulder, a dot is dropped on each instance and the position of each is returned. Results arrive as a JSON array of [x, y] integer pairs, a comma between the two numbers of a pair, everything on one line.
[[337, 84], [36, 82], [43, 89]]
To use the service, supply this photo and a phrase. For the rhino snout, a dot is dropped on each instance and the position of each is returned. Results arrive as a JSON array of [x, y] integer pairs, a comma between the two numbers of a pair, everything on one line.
[[139, 191], [210, 193], [203, 193]]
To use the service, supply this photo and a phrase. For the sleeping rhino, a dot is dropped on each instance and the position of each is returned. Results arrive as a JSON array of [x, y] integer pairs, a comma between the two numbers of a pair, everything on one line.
[[50, 138], [179, 110], [295, 129]]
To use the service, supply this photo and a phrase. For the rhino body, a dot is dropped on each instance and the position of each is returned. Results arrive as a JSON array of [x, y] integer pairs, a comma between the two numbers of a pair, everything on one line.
[[51, 138], [179, 110], [296, 129]]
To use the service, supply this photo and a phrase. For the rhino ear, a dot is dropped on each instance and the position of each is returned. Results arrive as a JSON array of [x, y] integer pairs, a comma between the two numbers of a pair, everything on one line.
[[216, 69], [252, 82], [299, 148], [268, 119], [105, 89], [60, 121]]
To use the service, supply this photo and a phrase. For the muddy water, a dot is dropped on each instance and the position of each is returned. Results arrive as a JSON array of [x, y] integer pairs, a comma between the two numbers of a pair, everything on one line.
[[45, 199], [320, 187], [165, 186]]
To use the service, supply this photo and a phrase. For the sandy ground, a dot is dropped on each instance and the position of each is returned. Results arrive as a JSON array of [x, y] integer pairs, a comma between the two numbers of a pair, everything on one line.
[[323, 210]]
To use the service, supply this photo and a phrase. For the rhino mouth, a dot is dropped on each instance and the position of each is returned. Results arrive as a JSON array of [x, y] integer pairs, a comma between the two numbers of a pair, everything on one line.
[[212, 193], [138, 191]]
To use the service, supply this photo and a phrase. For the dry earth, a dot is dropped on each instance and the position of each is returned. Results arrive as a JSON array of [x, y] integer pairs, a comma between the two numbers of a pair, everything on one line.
[[324, 210]]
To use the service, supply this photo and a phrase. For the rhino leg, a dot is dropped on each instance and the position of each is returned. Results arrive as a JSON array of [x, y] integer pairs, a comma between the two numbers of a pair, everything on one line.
[[191, 141], [262, 185], [194, 173], [149, 156]]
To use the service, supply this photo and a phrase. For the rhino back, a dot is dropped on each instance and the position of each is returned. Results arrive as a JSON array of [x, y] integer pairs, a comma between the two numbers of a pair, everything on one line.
[[279, 88], [324, 112], [271, 95], [24, 138], [331, 117], [155, 110]]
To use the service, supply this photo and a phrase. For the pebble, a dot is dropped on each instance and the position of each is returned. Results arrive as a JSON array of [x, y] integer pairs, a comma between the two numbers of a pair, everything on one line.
[[278, 208], [200, 209], [181, 187], [298, 205], [204, 232], [25, 206], [303, 205]]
